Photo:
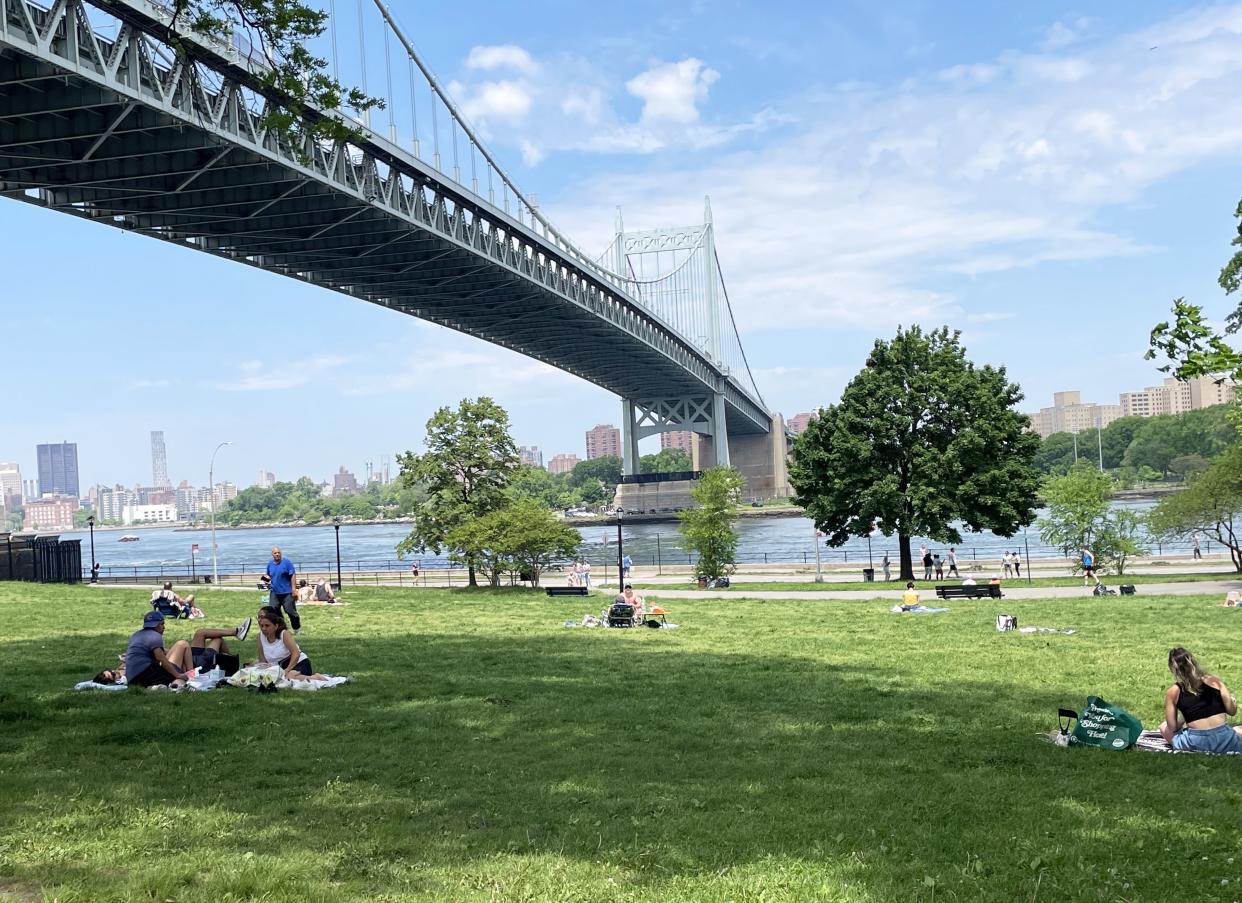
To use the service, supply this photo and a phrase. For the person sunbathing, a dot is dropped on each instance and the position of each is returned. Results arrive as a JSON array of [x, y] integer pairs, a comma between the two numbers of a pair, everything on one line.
[[1197, 708], [306, 592], [323, 591], [1231, 599], [640, 608], [278, 646], [110, 676]]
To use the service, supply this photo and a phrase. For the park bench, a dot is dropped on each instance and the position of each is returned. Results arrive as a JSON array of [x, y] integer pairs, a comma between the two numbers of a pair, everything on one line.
[[978, 591], [568, 591]]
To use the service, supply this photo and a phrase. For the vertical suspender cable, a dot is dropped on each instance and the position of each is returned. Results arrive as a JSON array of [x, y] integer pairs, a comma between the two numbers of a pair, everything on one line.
[[362, 55], [392, 122], [413, 107], [435, 134], [336, 68], [453, 132]]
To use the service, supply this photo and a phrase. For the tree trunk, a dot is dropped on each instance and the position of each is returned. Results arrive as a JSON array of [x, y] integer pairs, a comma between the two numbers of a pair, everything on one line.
[[474, 580], [903, 546]]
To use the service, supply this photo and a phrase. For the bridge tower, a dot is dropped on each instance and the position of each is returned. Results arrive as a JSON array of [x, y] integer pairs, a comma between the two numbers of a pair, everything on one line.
[[676, 275]]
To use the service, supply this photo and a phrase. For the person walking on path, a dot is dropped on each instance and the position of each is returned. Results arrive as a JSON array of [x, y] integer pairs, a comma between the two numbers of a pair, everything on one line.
[[280, 574], [1194, 545], [1007, 563], [953, 563], [887, 566], [938, 565], [927, 564], [1017, 564], [1088, 566]]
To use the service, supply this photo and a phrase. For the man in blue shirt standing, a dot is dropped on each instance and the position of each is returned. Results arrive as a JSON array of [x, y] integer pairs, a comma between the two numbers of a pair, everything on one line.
[[280, 572]]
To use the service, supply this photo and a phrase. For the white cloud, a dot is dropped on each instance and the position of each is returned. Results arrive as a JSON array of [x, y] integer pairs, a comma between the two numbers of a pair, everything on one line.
[[257, 376], [502, 56], [672, 92], [993, 165], [508, 101]]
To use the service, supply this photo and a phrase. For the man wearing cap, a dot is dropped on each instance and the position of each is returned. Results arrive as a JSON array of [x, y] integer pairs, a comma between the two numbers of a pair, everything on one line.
[[146, 663], [280, 574]]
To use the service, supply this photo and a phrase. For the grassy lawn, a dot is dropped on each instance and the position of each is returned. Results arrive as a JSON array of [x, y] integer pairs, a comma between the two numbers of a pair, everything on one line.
[[742, 586], [766, 751]]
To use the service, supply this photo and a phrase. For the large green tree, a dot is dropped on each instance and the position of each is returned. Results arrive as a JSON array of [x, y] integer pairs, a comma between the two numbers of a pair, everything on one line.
[[666, 460], [469, 459], [1211, 504], [921, 442], [708, 528], [1055, 454], [1116, 438]]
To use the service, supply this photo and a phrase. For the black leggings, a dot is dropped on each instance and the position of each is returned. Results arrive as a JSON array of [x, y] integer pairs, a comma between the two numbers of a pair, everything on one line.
[[287, 602]]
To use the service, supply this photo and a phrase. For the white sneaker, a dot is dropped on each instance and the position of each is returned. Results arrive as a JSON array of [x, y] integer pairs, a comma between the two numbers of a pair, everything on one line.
[[243, 629]]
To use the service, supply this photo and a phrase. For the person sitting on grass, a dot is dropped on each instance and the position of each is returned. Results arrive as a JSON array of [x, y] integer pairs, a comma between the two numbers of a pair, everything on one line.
[[910, 597], [167, 602], [1197, 708], [323, 590], [1231, 599], [631, 597], [278, 646], [306, 592]]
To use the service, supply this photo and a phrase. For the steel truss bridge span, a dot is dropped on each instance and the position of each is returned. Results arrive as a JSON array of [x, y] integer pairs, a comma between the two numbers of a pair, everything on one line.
[[126, 130]]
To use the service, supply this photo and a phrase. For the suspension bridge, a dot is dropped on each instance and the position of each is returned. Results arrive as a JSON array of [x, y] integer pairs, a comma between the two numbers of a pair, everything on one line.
[[111, 112]]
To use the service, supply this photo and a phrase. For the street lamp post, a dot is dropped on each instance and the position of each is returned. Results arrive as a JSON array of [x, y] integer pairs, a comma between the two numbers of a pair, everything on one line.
[[211, 487], [620, 552], [90, 522], [336, 524], [819, 571]]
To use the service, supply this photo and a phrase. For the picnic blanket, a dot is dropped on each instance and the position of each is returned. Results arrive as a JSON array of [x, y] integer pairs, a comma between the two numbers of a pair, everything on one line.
[[91, 685], [1068, 631], [595, 622], [1152, 741], [916, 610], [267, 676]]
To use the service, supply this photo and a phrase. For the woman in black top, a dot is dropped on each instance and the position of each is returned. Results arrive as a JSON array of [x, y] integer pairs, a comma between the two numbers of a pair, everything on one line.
[[1197, 709]]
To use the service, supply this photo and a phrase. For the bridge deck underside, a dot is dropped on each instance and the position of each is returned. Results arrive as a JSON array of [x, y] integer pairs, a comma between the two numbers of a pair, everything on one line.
[[96, 154]]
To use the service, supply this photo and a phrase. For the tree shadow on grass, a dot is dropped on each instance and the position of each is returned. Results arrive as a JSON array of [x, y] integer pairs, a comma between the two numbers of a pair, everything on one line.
[[636, 763]]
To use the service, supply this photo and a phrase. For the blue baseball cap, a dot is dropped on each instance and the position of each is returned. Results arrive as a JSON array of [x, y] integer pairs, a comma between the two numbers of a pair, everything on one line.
[[152, 619]]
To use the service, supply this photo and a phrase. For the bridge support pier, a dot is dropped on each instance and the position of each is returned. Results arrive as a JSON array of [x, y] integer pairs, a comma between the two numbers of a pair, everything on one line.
[[761, 459]]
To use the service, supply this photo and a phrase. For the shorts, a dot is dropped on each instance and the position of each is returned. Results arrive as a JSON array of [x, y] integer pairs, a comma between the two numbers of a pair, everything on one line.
[[154, 676], [303, 667], [203, 658], [1223, 739]]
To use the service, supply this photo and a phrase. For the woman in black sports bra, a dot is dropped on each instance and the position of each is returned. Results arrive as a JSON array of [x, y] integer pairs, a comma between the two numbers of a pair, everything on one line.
[[1197, 709]]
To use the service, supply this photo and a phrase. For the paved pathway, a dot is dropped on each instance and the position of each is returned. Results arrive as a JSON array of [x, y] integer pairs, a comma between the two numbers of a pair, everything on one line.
[[1202, 588]]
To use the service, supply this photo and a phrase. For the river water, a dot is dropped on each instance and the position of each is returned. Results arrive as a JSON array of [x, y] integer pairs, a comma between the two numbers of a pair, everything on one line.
[[373, 546]]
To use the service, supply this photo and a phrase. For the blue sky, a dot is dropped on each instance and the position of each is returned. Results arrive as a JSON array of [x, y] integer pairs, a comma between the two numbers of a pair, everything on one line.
[[1045, 178]]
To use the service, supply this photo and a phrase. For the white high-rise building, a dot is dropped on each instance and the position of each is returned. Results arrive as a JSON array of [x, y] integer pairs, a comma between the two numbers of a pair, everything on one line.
[[10, 482]]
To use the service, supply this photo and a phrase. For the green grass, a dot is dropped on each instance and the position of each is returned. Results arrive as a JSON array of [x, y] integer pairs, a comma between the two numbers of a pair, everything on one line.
[[766, 751], [742, 585]]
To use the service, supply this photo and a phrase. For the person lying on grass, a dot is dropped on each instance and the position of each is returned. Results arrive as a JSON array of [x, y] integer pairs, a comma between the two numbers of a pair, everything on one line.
[[278, 646], [1197, 708], [110, 676]]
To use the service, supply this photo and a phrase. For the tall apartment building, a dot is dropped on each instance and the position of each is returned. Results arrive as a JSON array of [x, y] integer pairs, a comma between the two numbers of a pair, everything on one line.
[[562, 463], [1176, 397], [1070, 414], [58, 468], [31, 491], [159, 461], [603, 441], [683, 440], [111, 503], [266, 480], [50, 514], [222, 494], [530, 454], [10, 485], [797, 424]]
